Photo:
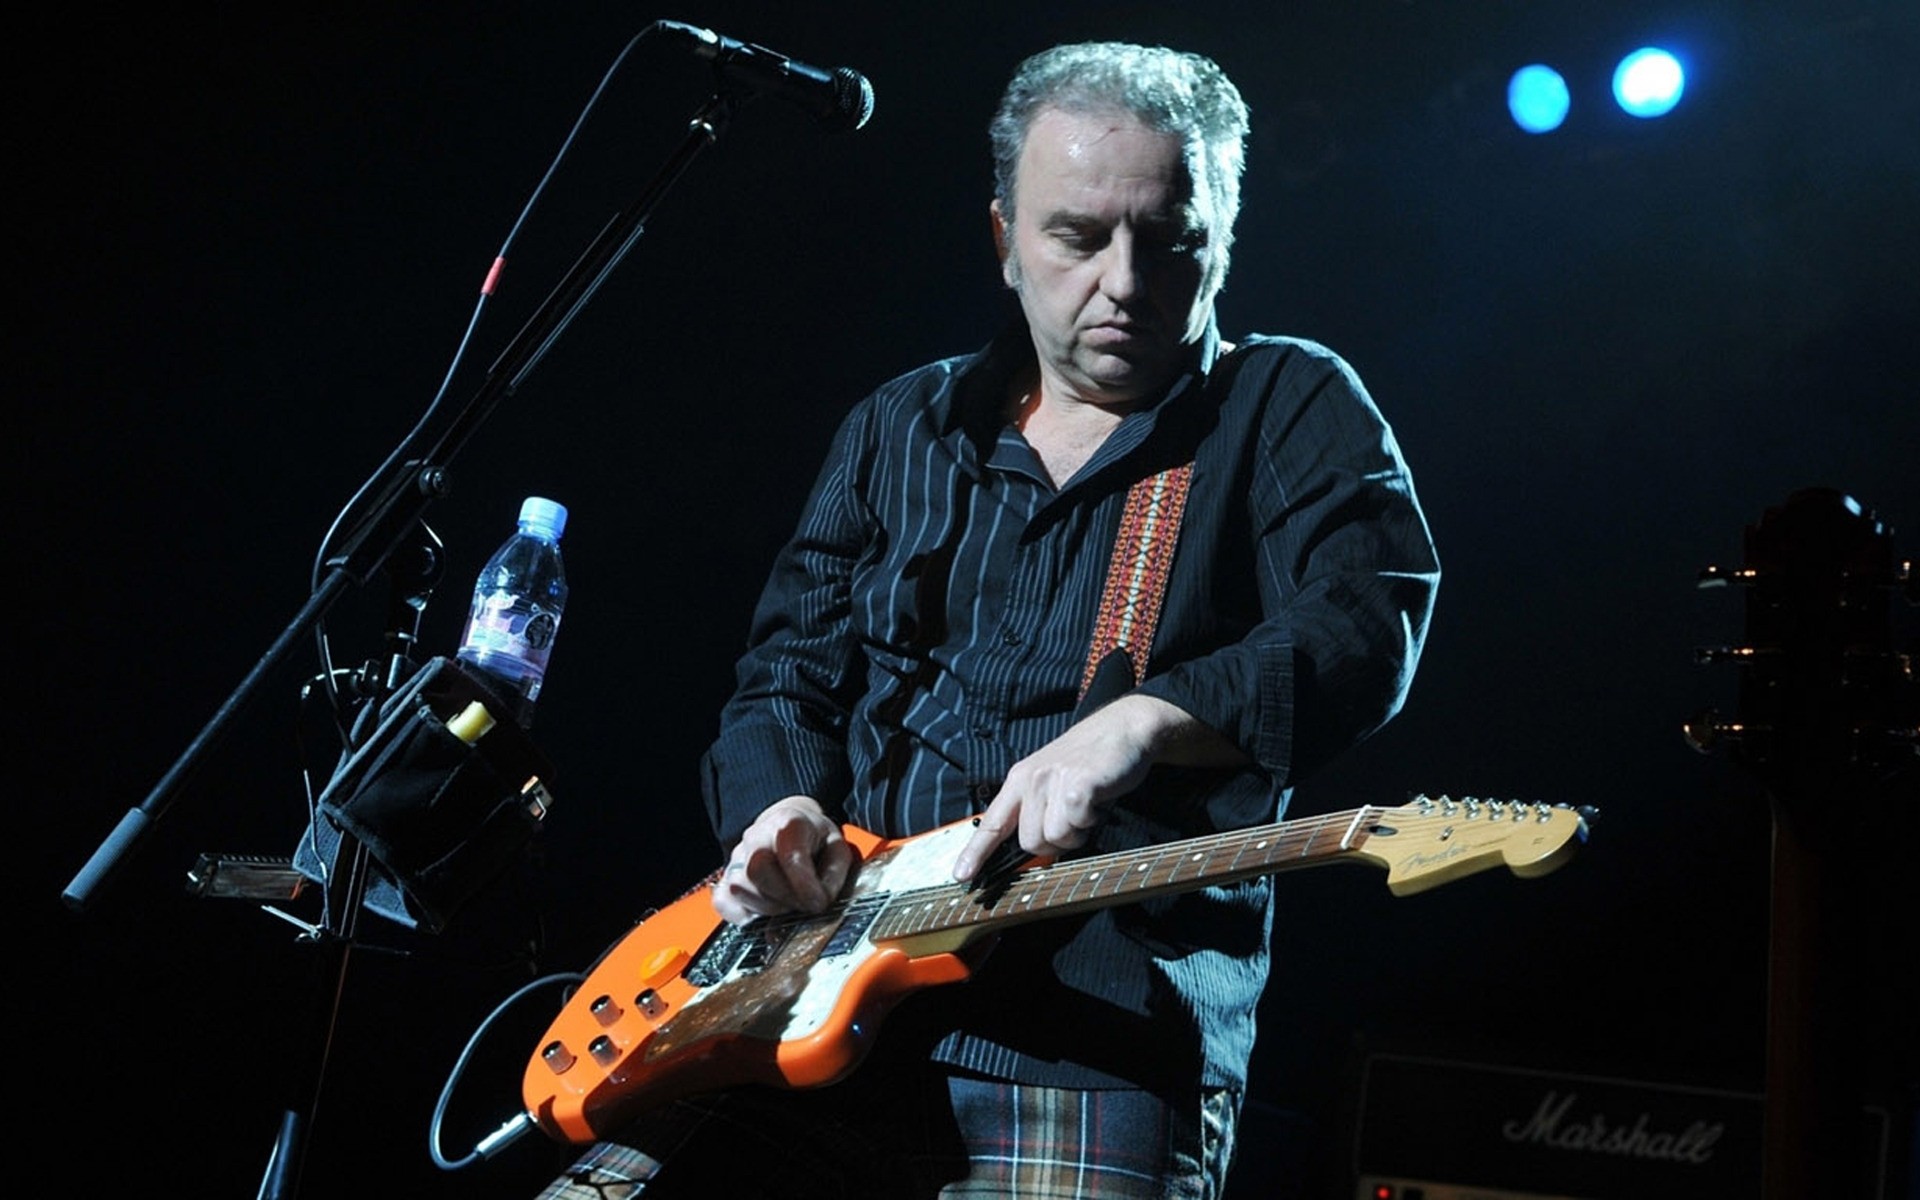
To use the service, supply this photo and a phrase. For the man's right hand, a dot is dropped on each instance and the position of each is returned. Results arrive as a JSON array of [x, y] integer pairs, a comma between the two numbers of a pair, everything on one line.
[[792, 858]]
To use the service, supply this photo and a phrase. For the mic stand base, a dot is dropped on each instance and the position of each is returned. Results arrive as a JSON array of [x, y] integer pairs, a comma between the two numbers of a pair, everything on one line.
[[281, 1180]]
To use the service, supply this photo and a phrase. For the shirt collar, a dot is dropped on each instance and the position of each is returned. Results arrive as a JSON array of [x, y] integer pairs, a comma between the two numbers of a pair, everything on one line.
[[977, 401]]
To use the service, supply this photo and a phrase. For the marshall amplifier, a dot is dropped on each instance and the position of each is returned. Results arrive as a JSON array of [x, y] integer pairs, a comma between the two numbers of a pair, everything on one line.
[[1433, 1129]]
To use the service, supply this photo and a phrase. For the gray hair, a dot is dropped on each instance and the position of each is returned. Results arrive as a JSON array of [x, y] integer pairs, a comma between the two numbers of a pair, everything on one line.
[[1172, 91]]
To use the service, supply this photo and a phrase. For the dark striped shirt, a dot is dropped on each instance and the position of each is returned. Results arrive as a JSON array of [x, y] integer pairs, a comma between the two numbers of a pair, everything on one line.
[[928, 623]]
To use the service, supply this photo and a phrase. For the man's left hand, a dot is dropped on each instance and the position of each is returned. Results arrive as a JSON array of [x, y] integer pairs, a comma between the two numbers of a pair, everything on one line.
[[1058, 795]]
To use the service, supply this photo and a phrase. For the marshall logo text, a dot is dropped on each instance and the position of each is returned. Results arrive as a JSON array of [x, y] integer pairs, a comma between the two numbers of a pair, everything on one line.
[[1551, 1125]]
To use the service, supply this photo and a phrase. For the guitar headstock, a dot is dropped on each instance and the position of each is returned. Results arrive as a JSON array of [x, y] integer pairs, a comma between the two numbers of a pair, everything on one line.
[[1433, 840], [1824, 691]]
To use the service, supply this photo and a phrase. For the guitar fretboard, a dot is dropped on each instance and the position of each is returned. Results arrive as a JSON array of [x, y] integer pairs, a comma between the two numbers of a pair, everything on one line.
[[1127, 875]]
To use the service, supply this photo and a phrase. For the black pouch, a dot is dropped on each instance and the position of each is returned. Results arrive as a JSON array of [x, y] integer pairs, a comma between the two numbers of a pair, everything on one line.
[[440, 814]]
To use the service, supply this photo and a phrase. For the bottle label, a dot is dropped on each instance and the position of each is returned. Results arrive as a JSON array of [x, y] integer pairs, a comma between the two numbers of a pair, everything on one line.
[[501, 627]]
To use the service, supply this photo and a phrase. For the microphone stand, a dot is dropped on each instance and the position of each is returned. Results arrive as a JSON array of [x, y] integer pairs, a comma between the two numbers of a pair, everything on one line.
[[394, 517], [412, 578]]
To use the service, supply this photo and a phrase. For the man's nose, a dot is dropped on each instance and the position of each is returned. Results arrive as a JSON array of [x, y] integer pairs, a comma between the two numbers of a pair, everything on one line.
[[1121, 276]]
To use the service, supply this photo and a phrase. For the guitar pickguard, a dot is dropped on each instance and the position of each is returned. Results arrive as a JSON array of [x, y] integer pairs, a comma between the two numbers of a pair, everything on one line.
[[780, 979]]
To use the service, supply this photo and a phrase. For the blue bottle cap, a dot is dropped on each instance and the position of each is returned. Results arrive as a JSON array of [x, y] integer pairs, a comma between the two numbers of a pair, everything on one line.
[[543, 516]]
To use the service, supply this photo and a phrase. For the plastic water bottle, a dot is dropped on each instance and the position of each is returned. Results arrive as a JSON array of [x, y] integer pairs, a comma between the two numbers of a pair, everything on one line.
[[517, 602]]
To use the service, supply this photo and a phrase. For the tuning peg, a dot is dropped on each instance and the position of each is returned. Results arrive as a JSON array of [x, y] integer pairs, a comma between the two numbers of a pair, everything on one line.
[[1715, 577], [1734, 654], [1705, 731]]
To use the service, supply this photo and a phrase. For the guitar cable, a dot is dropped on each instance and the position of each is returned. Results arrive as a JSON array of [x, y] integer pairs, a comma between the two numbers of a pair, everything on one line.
[[515, 1127]]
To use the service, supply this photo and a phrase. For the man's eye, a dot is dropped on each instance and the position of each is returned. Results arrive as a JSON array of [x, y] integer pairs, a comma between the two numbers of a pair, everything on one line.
[[1179, 246], [1081, 240]]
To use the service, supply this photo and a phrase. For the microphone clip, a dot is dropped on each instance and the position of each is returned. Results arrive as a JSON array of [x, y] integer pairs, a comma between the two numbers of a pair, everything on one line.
[[838, 97]]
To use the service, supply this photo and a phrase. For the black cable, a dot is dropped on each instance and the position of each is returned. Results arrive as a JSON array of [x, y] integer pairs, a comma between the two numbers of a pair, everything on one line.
[[515, 1127]]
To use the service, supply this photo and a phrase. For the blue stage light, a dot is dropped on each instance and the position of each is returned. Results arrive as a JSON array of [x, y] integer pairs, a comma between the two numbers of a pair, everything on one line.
[[1537, 97], [1648, 82]]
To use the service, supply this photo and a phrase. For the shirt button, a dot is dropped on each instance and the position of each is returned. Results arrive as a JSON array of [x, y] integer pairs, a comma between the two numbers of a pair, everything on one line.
[[1009, 637], [983, 792], [983, 732]]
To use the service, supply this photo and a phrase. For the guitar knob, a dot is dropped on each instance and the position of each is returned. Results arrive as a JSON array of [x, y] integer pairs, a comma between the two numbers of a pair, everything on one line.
[[557, 1057]]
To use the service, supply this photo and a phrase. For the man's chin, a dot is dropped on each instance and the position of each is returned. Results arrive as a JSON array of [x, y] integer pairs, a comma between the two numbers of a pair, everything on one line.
[[1122, 377]]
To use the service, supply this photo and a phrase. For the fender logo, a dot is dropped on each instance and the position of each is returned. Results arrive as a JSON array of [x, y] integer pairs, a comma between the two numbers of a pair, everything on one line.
[[1431, 860]]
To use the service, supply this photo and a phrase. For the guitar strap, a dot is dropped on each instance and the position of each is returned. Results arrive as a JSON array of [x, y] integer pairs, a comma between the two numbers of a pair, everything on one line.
[[1136, 582]]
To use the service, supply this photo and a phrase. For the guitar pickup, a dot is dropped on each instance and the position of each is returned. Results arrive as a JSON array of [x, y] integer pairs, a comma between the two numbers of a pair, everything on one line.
[[245, 877]]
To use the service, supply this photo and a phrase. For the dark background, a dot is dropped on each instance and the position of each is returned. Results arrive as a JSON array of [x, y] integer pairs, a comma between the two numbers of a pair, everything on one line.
[[252, 243]]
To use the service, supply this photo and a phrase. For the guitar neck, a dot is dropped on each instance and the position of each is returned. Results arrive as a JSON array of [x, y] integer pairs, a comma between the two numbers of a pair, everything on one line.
[[1126, 876]]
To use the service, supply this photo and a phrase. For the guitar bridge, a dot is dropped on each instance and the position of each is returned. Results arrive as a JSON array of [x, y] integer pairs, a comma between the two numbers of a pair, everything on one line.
[[737, 949]]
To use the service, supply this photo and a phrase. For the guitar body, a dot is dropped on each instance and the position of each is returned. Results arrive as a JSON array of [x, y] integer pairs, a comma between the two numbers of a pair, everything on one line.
[[686, 1003]]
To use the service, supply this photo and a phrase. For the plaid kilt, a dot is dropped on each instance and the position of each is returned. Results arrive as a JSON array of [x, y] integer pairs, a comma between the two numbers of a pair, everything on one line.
[[957, 1137]]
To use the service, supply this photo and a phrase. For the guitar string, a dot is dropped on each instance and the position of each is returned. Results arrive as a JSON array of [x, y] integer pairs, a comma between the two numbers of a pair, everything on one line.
[[1074, 871], [1301, 832]]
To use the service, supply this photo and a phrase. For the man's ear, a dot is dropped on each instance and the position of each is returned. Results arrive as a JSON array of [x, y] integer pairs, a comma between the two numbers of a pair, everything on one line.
[[1000, 235]]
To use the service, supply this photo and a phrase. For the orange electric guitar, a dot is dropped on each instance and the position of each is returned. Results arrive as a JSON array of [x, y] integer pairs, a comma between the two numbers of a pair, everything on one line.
[[685, 1003]]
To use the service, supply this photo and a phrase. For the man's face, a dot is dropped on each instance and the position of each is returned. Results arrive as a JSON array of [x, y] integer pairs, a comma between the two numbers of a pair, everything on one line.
[[1108, 251]]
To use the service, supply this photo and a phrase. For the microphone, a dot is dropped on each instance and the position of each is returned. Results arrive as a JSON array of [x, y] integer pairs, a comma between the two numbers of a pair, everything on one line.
[[840, 98]]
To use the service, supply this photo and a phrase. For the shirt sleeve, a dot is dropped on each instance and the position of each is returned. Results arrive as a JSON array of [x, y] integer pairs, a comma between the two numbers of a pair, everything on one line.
[[1347, 575], [783, 731]]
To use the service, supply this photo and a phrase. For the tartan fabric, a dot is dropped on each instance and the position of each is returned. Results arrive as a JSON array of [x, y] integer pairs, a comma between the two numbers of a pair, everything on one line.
[[608, 1171], [1039, 1143], [984, 1138]]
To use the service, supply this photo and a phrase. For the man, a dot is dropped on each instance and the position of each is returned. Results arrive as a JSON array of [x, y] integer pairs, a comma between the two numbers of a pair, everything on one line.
[[932, 646]]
